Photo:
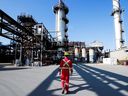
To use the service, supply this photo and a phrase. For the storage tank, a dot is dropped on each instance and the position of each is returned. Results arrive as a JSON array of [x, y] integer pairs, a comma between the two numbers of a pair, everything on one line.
[[84, 55], [91, 55], [76, 52]]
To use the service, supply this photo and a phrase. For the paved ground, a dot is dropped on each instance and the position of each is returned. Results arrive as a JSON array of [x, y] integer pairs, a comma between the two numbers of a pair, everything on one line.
[[87, 80]]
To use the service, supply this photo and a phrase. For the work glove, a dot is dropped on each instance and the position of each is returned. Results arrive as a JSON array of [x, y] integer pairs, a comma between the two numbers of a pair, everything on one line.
[[71, 72]]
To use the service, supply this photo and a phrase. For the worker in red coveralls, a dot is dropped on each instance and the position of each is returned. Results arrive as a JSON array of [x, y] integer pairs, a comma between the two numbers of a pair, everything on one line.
[[65, 71]]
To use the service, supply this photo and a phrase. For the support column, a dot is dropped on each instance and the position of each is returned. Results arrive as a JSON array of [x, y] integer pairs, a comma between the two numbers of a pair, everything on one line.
[[20, 59], [1, 20], [41, 62]]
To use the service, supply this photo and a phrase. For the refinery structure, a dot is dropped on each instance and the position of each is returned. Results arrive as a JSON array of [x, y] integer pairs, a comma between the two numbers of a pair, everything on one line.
[[31, 43]]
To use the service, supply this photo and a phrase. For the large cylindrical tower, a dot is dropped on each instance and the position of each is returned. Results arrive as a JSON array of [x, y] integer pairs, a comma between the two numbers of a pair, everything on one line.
[[118, 24], [91, 55], [83, 52], [61, 10], [76, 53]]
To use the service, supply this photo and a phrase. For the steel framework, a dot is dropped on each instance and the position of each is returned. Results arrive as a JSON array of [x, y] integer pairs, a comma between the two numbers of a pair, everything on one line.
[[27, 41]]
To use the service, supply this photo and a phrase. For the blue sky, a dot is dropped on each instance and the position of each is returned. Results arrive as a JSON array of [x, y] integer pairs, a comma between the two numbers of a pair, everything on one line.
[[89, 19]]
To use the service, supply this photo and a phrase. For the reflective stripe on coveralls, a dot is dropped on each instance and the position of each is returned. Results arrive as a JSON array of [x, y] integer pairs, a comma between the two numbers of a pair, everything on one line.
[[65, 66], [68, 67]]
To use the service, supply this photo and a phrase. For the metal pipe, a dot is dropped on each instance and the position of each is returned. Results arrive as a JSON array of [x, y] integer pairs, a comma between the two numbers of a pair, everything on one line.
[[41, 57], [1, 20]]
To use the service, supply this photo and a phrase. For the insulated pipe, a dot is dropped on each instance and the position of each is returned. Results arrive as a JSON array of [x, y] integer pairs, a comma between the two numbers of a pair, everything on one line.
[[118, 25]]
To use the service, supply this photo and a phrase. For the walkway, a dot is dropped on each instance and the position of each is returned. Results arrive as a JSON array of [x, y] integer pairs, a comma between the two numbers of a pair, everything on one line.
[[87, 80]]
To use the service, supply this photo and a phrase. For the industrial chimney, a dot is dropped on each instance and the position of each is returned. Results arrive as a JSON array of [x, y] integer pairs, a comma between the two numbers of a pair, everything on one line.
[[118, 24]]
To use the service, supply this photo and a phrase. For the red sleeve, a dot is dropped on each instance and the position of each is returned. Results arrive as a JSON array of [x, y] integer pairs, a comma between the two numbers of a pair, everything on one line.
[[70, 64]]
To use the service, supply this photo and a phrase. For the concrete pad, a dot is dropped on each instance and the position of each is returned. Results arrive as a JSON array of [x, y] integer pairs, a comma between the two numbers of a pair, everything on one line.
[[87, 80]]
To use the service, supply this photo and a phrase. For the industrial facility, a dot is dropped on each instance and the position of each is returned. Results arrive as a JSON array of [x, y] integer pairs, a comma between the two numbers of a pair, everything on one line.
[[71, 51], [30, 41], [120, 55], [32, 44]]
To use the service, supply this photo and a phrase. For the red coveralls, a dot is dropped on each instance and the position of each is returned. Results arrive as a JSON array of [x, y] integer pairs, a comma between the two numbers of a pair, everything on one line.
[[66, 68]]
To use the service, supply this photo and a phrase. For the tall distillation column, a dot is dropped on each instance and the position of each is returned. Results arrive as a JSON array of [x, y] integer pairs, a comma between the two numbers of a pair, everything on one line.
[[61, 20], [118, 24]]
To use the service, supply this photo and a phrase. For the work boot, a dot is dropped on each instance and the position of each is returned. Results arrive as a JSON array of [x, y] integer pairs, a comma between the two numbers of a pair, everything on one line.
[[67, 92], [62, 91]]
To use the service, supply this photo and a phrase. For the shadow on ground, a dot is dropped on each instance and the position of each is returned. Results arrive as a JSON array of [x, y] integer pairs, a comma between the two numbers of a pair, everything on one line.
[[103, 83], [100, 82], [42, 89], [3, 68]]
